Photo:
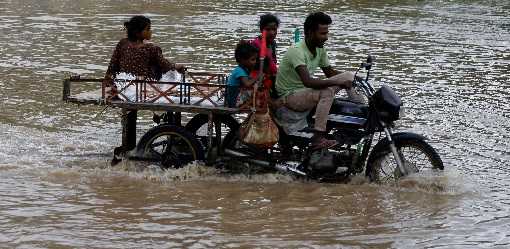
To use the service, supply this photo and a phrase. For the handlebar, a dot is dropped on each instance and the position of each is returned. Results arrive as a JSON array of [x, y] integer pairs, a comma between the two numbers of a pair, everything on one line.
[[368, 90]]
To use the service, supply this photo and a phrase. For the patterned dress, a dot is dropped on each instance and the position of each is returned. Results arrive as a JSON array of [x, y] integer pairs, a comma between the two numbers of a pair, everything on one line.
[[145, 61]]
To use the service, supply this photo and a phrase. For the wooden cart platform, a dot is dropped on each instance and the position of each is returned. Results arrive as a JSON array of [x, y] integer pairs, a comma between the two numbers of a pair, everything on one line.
[[204, 94], [192, 97]]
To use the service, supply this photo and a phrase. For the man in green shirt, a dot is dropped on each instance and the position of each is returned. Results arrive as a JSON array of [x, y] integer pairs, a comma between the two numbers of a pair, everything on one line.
[[301, 92]]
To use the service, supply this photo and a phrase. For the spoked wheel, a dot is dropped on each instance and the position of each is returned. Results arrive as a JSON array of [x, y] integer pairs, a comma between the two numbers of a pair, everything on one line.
[[417, 156], [170, 145], [198, 126]]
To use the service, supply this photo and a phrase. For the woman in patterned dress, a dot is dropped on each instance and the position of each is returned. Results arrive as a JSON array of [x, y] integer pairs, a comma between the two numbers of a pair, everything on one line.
[[134, 55]]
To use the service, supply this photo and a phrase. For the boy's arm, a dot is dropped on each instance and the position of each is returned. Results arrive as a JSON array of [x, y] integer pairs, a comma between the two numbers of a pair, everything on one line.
[[246, 81]]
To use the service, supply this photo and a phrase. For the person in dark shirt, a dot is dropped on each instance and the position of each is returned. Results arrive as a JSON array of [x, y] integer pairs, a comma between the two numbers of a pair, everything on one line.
[[134, 55]]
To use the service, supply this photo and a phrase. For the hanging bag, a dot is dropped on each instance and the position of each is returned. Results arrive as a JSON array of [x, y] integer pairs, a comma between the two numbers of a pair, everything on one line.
[[259, 129]]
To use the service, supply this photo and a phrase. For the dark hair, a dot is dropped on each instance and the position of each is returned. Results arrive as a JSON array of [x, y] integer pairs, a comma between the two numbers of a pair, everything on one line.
[[245, 50], [314, 19], [267, 19], [136, 25]]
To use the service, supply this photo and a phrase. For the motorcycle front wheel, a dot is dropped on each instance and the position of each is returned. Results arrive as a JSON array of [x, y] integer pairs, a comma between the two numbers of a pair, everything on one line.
[[417, 156]]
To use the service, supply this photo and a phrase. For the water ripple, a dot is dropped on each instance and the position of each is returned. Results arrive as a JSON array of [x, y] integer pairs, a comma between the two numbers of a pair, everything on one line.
[[448, 59]]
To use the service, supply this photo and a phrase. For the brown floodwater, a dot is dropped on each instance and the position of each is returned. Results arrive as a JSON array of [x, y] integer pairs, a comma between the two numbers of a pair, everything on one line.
[[448, 59]]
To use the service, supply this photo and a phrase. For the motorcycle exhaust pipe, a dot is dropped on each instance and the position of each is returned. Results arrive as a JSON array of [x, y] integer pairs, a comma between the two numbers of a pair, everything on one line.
[[283, 168], [246, 157]]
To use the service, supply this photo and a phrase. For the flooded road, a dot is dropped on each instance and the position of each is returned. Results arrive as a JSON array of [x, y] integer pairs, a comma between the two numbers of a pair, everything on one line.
[[448, 59]]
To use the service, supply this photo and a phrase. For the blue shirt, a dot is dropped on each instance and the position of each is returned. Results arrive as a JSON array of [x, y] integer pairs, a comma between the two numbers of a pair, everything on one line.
[[233, 84], [235, 77]]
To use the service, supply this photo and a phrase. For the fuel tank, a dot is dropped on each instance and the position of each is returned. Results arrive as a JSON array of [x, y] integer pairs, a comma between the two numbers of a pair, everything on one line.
[[345, 107], [347, 114]]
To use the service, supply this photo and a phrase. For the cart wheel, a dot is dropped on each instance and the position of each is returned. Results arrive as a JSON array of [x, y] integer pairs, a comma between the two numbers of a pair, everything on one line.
[[170, 145], [198, 126]]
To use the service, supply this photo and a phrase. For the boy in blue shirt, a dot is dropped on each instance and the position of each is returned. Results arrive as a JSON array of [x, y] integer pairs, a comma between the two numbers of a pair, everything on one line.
[[246, 56]]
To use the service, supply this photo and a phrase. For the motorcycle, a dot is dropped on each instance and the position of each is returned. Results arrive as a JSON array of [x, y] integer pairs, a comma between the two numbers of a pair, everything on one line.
[[354, 126]]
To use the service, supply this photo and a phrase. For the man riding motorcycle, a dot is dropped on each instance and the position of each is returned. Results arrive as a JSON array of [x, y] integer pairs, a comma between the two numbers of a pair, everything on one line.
[[299, 92]]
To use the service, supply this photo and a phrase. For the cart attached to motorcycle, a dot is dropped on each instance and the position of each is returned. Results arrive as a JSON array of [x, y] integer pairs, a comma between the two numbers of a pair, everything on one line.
[[211, 131]]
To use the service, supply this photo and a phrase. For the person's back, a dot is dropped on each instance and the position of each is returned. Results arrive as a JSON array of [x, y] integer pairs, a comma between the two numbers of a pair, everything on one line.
[[234, 85], [141, 60]]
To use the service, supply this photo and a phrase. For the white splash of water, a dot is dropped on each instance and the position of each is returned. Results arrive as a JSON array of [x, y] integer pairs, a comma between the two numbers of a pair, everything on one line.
[[447, 182]]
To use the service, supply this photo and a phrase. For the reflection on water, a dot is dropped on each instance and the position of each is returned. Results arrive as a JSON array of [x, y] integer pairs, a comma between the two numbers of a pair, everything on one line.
[[448, 59]]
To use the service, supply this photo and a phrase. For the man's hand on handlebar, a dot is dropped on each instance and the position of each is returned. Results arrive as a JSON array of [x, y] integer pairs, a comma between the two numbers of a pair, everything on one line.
[[346, 80], [348, 84]]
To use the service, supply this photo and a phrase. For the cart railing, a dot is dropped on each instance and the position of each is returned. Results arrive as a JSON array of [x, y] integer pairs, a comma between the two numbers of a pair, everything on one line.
[[205, 88]]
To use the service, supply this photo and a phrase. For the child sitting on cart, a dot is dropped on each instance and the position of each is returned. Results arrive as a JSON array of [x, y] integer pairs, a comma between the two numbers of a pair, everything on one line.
[[239, 82]]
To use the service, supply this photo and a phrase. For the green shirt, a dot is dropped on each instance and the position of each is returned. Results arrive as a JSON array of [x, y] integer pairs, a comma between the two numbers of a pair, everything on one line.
[[287, 79]]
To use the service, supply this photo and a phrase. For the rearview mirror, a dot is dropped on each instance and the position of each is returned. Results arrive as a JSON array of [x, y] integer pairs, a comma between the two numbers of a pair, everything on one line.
[[370, 60]]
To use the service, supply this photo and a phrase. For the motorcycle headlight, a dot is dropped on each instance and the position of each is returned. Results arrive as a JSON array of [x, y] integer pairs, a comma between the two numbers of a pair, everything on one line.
[[401, 112]]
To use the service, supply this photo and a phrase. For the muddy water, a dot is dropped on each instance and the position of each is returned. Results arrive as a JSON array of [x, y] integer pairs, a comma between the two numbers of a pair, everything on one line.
[[448, 59]]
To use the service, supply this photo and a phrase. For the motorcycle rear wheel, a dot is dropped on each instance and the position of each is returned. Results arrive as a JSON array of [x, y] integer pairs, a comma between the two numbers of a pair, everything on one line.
[[417, 155], [172, 146]]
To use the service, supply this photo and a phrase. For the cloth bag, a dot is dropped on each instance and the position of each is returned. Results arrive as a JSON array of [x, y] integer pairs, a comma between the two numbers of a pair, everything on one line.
[[259, 129]]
